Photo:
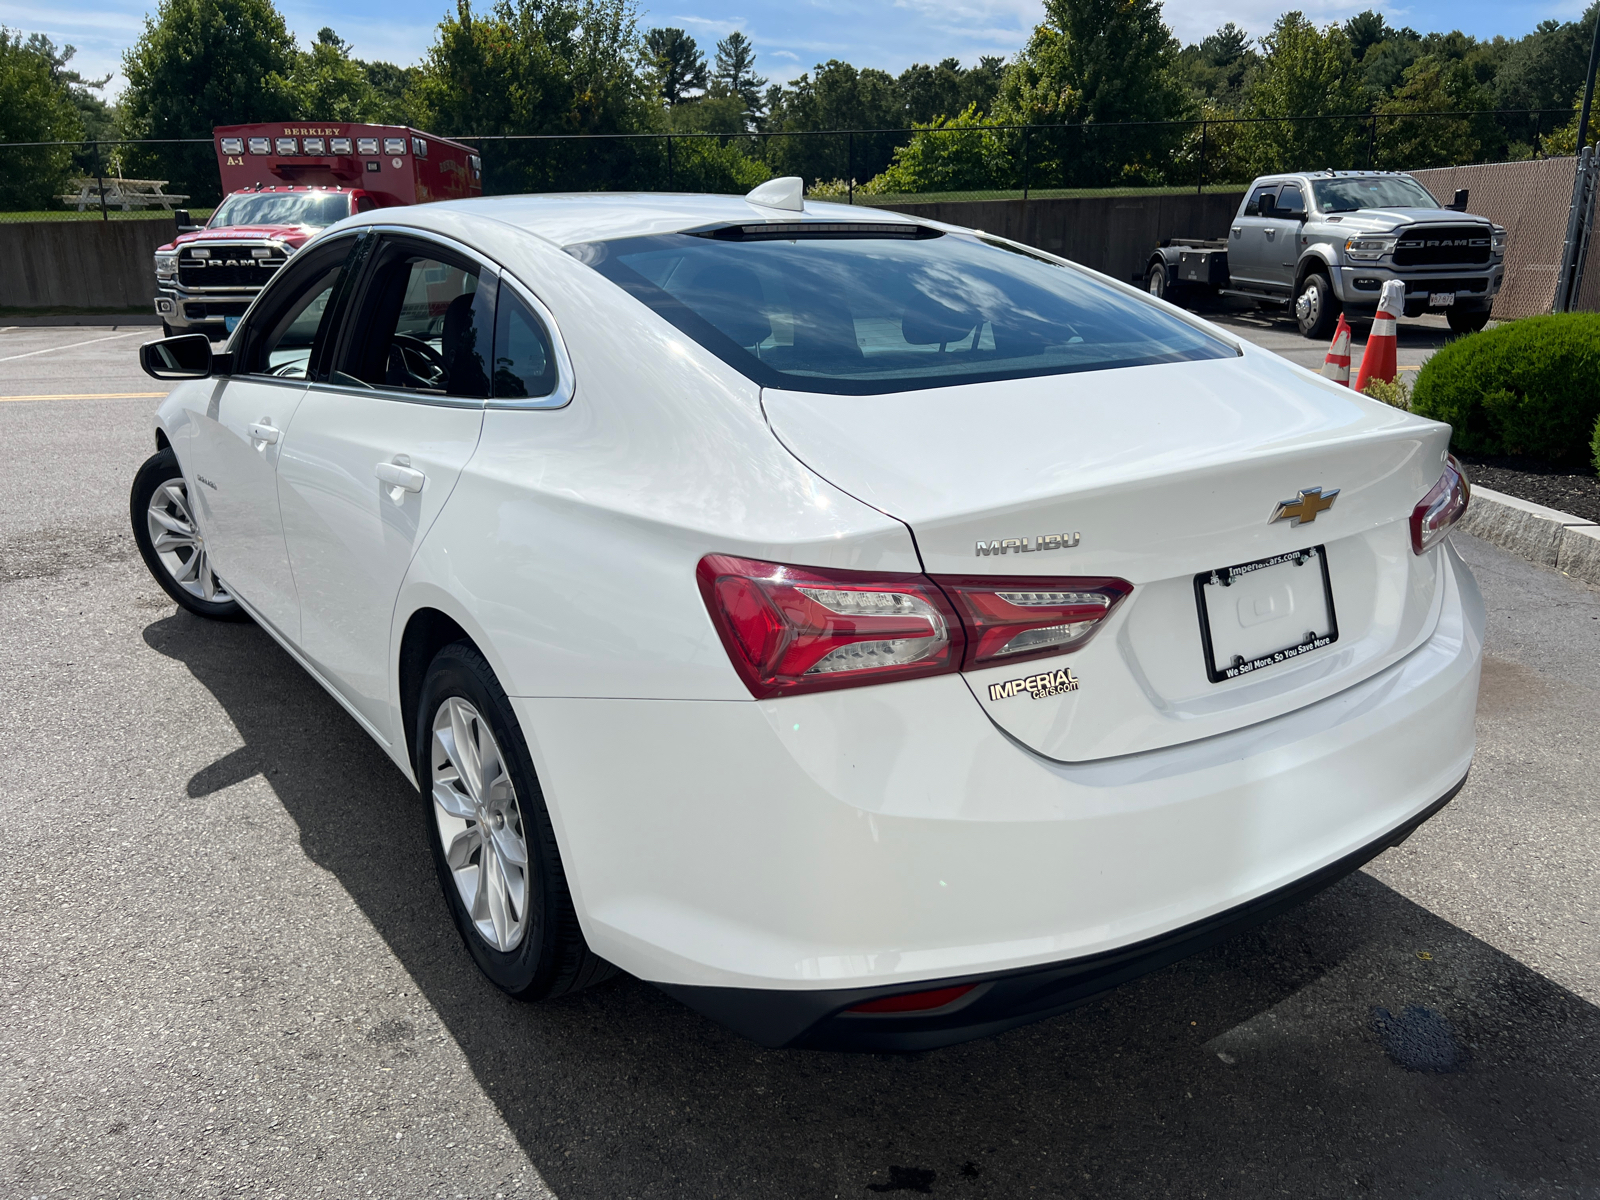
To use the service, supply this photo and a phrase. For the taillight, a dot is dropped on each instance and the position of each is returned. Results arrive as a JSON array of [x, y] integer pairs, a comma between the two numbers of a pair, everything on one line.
[[1010, 620], [802, 629], [1440, 508]]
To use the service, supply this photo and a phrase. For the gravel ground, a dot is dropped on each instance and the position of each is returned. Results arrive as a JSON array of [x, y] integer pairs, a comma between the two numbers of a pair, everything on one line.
[[1544, 483]]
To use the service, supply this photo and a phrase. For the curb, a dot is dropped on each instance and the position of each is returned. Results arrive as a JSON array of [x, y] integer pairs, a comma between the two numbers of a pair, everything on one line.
[[1545, 536]]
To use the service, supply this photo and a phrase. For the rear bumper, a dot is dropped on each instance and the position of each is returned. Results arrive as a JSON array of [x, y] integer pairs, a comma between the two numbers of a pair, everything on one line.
[[792, 857], [821, 1020]]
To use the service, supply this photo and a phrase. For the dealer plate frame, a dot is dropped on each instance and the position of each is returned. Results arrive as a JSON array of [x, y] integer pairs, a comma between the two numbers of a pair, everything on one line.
[[1273, 657]]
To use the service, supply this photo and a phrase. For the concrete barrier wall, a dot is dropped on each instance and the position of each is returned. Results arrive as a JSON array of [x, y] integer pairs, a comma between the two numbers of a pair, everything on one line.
[[1111, 234], [80, 264]]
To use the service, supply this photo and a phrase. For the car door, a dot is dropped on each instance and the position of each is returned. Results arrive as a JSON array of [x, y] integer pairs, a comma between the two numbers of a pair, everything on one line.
[[377, 446], [235, 445], [1282, 229], [1247, 243]]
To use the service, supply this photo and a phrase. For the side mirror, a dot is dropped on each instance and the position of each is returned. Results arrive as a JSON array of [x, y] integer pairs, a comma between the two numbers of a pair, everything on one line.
[[1459, 204], [184, 222], [1269, 206], [187, 356]]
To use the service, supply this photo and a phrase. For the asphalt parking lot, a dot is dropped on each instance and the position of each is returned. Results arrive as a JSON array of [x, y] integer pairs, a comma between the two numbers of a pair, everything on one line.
[[227, 968]]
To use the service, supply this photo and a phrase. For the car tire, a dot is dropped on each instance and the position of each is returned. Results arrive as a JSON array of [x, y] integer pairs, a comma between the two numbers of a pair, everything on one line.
[[1156, 281], [507, 892], [1466, 321], [170, 542], [1316, 308]]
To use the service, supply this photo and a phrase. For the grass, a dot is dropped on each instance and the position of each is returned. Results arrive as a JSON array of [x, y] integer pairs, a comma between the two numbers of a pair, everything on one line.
[[199, 215], [1211, 189]]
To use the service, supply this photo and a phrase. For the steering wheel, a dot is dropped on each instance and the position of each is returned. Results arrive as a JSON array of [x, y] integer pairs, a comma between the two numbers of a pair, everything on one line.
[[423, 363]]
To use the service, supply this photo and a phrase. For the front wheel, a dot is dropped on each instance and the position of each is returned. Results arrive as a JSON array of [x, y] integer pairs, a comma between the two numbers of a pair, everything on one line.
[[1466, 320], [493, 843], [171, 543], [1316, 308]]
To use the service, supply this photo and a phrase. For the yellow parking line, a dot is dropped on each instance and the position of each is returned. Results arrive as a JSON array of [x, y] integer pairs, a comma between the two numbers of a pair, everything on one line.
[[90, 396]]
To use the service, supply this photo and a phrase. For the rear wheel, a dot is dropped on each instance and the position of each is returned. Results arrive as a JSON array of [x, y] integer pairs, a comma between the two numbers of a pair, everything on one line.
[[1156, 281], [493, 843], [1466, 321], [171, 543], [1316, 308]]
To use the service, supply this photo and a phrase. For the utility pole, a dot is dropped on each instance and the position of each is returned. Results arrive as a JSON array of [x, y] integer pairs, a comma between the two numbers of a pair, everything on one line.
[[1588, 87]]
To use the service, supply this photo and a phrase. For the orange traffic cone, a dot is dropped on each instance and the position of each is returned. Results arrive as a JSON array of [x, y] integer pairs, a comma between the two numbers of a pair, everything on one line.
[[1336, 366], [1378, 360]]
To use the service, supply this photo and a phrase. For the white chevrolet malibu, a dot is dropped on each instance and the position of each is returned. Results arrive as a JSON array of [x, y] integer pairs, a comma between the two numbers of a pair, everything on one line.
[[874, 633]]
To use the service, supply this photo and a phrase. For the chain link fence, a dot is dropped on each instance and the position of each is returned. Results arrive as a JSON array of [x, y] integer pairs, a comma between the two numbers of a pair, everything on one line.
[[964, 160]]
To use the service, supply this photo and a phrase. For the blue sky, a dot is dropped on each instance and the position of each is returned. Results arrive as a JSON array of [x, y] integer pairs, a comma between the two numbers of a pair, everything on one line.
[[790, 35]]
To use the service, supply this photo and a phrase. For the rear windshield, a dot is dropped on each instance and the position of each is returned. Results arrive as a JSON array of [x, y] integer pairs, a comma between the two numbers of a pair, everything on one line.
[[1391, 191], [315, 209], [863, 315]]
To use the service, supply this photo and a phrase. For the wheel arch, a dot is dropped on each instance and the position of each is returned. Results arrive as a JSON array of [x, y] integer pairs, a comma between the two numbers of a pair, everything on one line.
[[427, 631], [1316, 259], [162, 441]]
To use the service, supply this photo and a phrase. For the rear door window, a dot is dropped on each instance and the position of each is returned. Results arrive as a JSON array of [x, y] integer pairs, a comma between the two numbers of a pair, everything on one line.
[[524, 362]]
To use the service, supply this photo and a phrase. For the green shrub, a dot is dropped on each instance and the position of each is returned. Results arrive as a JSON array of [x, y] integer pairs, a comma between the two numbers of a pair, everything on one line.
[[1527, 387], [1391, 393], [1595, 445]]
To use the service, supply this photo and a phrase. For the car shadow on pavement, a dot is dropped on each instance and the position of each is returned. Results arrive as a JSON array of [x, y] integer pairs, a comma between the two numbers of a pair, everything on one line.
[[1358, 1044]]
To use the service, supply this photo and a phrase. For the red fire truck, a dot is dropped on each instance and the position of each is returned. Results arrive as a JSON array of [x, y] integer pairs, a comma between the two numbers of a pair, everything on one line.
[[281, 183]]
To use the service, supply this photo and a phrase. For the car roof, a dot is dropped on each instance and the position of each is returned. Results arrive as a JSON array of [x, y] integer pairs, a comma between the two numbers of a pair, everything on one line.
[[571, 218]]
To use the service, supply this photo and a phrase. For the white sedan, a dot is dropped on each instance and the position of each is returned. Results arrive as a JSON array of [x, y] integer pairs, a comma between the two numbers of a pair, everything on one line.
[[872, 632]]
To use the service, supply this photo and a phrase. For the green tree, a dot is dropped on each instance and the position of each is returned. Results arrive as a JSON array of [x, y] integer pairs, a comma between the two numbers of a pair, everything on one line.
[[1096, 63], [1546, 69], [36, 105], [1366, 30], [676, 64], [1307, 72], [199, 64], [736, 71], [958, 154], [834, 96], [1216, 67], [541, 67], [329, 85], [391, 87], [1435, 85], [929, 93]]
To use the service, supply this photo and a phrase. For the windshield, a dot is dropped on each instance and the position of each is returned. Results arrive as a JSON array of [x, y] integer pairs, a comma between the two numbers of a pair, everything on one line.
[[1388, 191], [315, 209], [887, 312]]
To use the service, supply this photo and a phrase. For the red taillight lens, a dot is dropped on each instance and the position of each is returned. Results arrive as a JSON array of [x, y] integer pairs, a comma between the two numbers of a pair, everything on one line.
[[1010, 620], [800, 629], [915, 1001], [1441, 507]]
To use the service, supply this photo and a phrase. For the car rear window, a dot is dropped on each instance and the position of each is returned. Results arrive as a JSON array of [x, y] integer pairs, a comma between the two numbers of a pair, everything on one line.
[[864, 310]]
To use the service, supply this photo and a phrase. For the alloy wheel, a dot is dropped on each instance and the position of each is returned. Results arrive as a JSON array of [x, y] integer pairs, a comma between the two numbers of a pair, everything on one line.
[[179, 544], [480, 824]]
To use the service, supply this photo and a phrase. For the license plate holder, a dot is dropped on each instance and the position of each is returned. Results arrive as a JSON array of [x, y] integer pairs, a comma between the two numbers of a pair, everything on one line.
[[1441, 299], [1248, 610]]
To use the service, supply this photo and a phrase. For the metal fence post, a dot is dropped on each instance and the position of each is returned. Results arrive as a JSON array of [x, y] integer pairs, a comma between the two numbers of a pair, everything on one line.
[[850, 165], [1579, 217], [1200, 183], [1372, 142], [1027, 159], [671, 178], [100, 180]]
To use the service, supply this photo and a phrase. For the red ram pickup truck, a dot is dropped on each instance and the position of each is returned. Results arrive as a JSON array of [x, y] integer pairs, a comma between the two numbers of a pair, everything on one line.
[[282, 182]]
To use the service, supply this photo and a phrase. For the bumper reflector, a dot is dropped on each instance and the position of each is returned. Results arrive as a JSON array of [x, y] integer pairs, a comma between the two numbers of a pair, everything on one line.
[[915, 1001]]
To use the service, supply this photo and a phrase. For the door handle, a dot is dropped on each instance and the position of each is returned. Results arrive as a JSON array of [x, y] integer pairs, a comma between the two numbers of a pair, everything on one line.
[[1272, 235], [406, 479], [262, 431]]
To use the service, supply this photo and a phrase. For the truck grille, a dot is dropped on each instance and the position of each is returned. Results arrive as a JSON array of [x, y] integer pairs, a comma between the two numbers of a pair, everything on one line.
[[1439, 245], [227, 267]]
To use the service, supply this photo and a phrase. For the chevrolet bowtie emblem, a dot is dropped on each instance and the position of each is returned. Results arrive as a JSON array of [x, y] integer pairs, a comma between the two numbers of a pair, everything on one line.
[[1303, 509]]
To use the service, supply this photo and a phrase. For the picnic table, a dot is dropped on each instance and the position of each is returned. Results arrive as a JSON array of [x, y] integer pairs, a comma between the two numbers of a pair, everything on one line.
[[126, 194]]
